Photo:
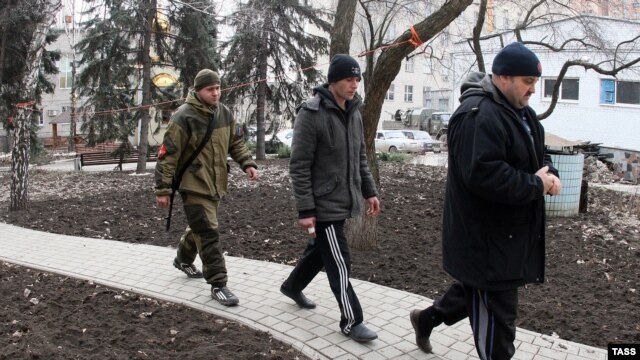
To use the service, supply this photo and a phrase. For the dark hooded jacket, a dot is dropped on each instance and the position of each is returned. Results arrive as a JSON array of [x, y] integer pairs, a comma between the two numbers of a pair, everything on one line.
[[328, 165], [493, 219]]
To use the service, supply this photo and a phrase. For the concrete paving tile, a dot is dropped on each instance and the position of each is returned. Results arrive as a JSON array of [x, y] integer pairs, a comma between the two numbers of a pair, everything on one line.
[[463, 348], [333, 352], [355, 348], [590, 353], [550, 353], [530, 348], [300, 334], [320, 319], [318, 343], [540, 357], [377, 321], [372, 356], [321, 331], [455, 355], [389, 337], [565, 347], [390, 352], [523, 355]]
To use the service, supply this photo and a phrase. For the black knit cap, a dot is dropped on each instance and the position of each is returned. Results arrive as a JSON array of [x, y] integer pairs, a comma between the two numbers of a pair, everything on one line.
[[516, 59], [205, 78], [343, 66]]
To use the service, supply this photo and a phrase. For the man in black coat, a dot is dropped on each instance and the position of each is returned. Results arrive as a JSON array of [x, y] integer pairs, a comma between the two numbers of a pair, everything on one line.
[[493, 218]]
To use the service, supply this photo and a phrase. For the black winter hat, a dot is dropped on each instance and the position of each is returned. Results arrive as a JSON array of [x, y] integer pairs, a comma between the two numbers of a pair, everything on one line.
[[516, 59], [343, 66], [205, 78]]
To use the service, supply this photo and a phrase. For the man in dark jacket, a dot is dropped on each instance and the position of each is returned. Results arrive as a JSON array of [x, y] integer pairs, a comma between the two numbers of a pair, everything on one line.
[[493, 218], [329, 172], [204, 182]]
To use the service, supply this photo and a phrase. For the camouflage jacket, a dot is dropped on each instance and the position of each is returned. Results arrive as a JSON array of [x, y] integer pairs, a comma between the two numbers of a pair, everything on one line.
[[207, 174]]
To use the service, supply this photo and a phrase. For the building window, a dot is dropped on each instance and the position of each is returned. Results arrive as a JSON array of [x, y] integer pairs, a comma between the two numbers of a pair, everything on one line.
[[427, 66], [505, 19], [443, 104], [408, 93], [390, 93], [409, 65], [391, 34], [65, 73], [620, 92], [444, 39], [569, 89], [628, 92]]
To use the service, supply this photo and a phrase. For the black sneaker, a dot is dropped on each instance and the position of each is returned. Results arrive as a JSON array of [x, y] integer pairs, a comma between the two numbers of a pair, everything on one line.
[[224, 296], [189, 269]]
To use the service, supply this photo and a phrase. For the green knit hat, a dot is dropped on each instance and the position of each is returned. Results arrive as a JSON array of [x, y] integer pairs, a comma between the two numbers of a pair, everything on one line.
[[205, 78]]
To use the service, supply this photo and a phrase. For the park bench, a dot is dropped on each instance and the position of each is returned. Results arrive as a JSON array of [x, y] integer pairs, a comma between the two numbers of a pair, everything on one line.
[[105, 158]]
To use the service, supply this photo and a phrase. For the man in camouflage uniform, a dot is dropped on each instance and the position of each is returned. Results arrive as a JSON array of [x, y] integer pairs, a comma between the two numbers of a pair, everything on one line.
[[205, 180]]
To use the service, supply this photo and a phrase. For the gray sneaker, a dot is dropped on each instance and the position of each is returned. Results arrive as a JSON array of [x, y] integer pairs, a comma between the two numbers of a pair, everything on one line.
[[361, 333], [189, 269], [224, 296]]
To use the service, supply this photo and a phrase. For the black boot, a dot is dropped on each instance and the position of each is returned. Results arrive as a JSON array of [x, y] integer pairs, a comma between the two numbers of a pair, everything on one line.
[[423, 323]]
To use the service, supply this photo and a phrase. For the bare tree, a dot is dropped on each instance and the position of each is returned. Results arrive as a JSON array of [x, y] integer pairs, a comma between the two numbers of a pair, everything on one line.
[[21, 137], [381, 70]]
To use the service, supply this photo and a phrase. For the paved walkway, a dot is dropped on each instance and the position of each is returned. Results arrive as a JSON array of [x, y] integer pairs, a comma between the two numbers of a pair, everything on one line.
[[315, 332]]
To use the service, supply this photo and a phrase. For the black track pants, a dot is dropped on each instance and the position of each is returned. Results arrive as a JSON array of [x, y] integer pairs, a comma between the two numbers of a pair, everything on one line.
[[492, 315], [331, 251]]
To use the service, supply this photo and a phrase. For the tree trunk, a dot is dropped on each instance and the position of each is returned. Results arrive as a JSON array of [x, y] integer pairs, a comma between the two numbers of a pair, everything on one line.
[[342, 27], [362, 230], [71, 143], [146, 86], [385, 70], [20, 159], [19, 192], [261, 100]]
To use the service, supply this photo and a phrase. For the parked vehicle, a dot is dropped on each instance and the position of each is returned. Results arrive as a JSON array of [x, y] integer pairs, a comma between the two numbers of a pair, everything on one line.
[[394, 141], [436, 125], [426, 143], [430, 120]]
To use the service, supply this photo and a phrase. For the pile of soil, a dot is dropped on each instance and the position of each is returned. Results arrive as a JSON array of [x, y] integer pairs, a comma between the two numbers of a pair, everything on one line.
[[590, 294]]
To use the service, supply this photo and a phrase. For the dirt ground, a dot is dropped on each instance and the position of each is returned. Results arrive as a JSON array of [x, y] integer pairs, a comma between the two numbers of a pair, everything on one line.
[[591, 294]]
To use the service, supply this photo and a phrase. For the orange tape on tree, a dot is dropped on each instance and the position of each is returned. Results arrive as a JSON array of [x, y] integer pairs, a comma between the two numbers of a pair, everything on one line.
[[415, 38]]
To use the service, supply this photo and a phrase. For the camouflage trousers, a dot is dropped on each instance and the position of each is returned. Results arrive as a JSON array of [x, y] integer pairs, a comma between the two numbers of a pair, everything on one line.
[[202, 238]]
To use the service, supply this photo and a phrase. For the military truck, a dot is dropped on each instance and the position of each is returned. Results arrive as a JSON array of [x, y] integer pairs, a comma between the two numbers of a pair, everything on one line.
[[436, 124], [430, 120]]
